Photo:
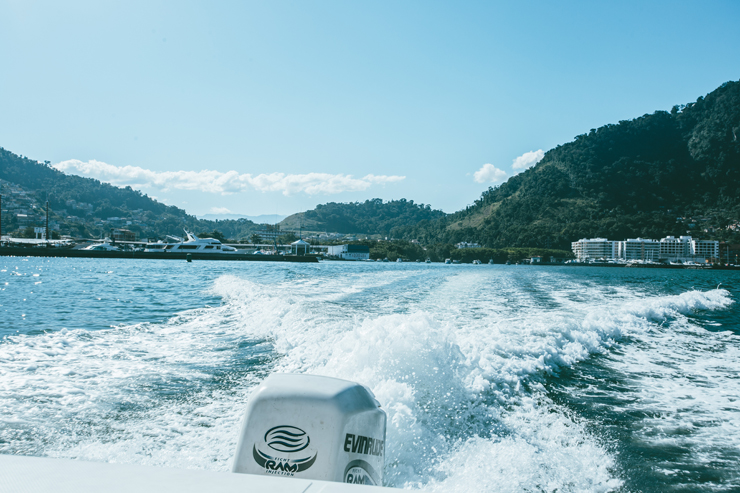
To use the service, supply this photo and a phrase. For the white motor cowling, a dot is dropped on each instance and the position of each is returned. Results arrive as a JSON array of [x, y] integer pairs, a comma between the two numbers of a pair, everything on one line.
[[312, 427]]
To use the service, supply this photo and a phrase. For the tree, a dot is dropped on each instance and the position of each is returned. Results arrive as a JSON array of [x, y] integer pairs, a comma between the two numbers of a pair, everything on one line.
[[286, 238], [255, 238]]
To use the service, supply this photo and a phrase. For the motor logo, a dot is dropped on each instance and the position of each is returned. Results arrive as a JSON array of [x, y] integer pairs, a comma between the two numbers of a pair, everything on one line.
[[276, 452], [360, 472], [358, 444]]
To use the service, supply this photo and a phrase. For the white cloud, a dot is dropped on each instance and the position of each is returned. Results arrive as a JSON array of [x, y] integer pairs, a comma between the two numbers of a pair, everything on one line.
[[220, 210], [527, 160], [489, 174], [224, 183]]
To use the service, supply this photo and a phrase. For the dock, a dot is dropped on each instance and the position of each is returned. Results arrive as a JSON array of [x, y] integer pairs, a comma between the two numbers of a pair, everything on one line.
[[71, 253]]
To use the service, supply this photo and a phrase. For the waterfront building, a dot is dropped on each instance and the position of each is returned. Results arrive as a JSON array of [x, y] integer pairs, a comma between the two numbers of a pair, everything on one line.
[[670, 248], [686, 248], [349, 252], [272, 233], [731, 253], [673, 248], [639, 249], [594, 248], [706, 250]]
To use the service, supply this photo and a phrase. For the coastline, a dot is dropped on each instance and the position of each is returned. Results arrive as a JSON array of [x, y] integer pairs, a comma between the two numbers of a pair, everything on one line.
[[64, 252]]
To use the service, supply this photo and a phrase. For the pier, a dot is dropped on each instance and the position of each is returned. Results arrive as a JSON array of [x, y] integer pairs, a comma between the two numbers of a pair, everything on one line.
[[71, 253]]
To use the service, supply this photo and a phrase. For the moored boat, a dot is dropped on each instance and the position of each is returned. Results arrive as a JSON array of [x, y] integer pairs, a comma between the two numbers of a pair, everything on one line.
[[193, 244], [104, 246]]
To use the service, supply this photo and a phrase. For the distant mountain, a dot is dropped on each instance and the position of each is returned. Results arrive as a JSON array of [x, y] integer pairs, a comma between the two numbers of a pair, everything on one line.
[[669, 173], [90, 208], [674, 172], [261, 219], [370, 217]]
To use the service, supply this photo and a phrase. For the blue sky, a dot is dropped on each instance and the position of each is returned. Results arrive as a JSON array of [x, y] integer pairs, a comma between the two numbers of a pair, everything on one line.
[[274, 107]]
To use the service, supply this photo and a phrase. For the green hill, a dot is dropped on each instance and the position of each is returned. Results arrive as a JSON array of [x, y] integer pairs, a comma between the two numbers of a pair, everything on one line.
[[668, 173], [370, 217], [83, 206], [660, 174]]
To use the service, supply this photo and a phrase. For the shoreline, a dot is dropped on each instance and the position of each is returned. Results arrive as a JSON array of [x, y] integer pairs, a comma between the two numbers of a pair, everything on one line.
[[70, 253]]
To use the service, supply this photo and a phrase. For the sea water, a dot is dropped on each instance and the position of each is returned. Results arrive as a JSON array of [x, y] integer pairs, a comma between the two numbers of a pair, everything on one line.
[[494, 378]]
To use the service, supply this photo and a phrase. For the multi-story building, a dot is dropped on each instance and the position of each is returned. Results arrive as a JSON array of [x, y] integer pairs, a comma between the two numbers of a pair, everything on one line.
[[594, 248], [706, 250], [350, 252], [684, 248], [676, 248], [271, 234], [639, 249], [25, 220]]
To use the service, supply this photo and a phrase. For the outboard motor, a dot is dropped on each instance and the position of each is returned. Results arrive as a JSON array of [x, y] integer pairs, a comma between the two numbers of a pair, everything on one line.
[[312, 427]]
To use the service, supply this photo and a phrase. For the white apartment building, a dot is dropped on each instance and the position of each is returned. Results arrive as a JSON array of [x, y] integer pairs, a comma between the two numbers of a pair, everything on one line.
[[349, 252], [594, 248], [687, 248], [705, 249], [684, 248], [676, 248], [639, 249]]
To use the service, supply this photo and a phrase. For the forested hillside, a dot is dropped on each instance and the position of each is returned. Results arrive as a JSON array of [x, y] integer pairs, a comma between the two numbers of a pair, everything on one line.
[[665, 173], [83, 206], [369, 217]]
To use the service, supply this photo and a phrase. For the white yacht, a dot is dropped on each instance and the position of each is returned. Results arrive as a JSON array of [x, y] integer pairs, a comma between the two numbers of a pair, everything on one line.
[[103, 246], [155, 247], [193, 244]]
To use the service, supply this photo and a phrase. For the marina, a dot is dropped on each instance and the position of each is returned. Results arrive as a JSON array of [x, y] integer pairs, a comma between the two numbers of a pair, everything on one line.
[[130, 254]]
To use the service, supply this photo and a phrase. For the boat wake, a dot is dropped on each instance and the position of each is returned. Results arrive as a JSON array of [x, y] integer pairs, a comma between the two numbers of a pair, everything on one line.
[[465, 374]]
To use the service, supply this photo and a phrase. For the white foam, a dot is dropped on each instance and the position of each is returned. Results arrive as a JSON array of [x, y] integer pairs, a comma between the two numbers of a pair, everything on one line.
[[458, 360], [682, 380]]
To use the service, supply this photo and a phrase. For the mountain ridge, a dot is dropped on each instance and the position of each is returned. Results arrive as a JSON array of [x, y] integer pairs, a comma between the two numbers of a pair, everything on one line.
[[85, 206], [640, 177], [373, 216], [665, 173]]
